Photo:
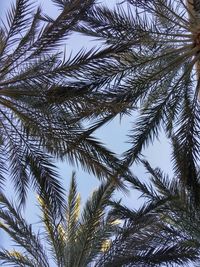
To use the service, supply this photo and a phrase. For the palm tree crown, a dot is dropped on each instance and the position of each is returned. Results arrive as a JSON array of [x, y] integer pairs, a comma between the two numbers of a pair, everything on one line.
[[72, 239], [156, 72], [95, 238]]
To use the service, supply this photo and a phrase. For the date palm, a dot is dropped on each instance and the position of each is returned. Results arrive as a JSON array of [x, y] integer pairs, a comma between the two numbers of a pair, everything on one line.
[[93, 238], [169, 217], [35, 126], [156, 74], [72, 239]]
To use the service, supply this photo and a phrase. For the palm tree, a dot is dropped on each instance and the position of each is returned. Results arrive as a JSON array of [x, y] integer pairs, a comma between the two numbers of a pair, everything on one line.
[[94, 238], [34, 75], [148, 243], [169, 219], [71, 239], [156, 72]]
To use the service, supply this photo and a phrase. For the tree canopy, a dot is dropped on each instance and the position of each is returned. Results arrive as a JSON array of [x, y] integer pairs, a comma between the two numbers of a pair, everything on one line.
[[73, 237], [35, 75], [155, 73], [146, 61]]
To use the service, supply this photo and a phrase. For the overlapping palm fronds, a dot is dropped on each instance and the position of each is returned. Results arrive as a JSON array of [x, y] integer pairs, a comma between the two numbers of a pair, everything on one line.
[[167, 222], [149, 237], [150, 244], [35, 125], [73, 238], [156, 72]]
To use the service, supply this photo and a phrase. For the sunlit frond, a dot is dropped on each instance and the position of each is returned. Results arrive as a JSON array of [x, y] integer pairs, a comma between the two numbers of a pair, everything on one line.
[[72, 239]]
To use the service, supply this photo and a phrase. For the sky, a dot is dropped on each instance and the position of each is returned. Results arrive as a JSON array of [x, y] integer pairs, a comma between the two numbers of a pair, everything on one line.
[[113, 135]]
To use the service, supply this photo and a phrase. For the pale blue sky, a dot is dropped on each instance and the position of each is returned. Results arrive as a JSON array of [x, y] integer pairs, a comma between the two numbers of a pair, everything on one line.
[[113, 135]]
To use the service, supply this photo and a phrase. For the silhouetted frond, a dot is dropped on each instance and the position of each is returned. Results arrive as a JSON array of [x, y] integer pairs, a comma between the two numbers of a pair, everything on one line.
[[73, 239], [157, 67], [45, 101]]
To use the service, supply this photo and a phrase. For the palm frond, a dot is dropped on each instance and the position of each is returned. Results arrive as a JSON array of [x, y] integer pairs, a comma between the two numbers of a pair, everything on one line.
[[20, 232], [46, 101], [54, 237], [13, 258], [73, 210], [90, 225], [169, 217], [151, 74], [72, 240], [140, 245], [17, 19]]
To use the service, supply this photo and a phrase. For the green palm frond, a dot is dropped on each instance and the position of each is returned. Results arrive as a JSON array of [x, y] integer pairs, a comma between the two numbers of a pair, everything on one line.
[[93, 224], [154, 73], [72, 237], [18, 19], [21, 233], [148, 244], [167, 223], [163, 232], [73, 210], [186, 141], [53, 235], [14, 257], [45, 106]]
